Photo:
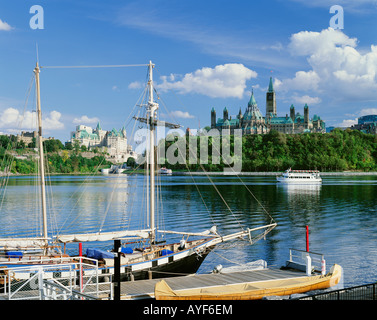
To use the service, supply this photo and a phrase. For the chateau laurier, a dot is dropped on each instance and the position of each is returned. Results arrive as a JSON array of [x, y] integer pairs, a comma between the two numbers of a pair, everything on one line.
[[253, 122]]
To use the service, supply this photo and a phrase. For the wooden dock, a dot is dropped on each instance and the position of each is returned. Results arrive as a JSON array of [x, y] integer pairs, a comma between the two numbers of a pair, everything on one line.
[[144, 289]]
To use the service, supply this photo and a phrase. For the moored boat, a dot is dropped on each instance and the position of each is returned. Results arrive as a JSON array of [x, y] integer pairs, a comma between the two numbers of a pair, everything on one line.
[[149, 256], [255, 290]]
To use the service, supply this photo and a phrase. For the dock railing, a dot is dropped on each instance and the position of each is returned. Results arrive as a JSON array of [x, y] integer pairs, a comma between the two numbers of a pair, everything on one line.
[[57, 281], [307, 261]]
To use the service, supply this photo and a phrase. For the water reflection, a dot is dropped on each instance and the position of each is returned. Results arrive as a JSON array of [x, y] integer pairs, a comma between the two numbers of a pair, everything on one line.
[[341, 214]]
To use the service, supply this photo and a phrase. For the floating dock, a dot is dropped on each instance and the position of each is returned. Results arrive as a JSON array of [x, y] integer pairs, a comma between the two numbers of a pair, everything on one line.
[[144, 289]]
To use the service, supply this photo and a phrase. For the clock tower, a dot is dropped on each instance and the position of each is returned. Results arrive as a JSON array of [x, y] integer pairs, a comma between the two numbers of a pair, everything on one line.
[[270, 101]]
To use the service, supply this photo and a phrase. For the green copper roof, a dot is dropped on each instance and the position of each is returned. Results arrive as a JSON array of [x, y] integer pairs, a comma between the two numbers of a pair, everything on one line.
[[252, 101], [280, 120], [270, 86]]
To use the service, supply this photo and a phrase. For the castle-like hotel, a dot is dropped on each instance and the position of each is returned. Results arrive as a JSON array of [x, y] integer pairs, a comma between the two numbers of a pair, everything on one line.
[[253, 122], [115, 141]]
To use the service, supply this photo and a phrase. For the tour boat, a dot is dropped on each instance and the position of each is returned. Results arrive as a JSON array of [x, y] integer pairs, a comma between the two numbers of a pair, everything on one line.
[[300, 176], [164, 170]]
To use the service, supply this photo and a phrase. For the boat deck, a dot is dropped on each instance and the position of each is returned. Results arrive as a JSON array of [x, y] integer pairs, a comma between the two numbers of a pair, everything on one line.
[[144, 289]]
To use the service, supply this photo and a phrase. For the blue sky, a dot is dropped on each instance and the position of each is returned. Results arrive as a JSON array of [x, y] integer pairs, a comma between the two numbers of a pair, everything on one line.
[[207, 54]]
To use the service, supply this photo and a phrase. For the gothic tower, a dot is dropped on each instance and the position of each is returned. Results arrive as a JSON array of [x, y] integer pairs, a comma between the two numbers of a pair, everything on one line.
[[292, 112], [306, 116], [213, 118], [270, 100]]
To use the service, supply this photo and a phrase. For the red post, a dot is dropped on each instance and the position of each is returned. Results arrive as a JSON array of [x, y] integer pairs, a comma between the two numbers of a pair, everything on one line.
[[80, 254], [307, 238]]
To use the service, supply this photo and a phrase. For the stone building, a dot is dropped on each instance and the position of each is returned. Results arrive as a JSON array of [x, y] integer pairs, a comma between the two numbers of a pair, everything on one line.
[[114, 141], [253, 122]]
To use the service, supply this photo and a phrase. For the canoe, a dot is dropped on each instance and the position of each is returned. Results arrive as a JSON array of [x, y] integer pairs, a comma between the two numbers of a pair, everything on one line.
[[252, 290]]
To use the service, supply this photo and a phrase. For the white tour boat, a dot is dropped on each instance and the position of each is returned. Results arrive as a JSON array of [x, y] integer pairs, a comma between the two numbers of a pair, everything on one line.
[[300, 176], [164, 170]]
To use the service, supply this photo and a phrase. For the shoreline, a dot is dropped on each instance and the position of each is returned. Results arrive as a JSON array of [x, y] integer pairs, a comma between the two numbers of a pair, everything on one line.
[[218, 173], [340, 173]]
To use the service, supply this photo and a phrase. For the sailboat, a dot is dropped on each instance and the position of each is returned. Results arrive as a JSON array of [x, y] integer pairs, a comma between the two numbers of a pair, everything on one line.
[[152, 260]]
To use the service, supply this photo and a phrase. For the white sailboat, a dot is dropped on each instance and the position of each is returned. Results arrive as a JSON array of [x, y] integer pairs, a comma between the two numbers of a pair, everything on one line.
[[154, 260]]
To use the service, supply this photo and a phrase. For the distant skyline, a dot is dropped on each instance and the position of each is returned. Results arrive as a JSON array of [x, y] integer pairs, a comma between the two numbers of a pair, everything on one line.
[[207, 54]]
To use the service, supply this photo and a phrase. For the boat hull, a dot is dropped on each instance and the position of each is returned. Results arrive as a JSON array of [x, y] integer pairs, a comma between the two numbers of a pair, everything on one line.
[[253, 290], [186, 261], [298, 181]]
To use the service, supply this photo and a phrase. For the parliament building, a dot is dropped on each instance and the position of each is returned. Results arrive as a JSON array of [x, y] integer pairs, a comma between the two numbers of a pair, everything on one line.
[[253, 122]]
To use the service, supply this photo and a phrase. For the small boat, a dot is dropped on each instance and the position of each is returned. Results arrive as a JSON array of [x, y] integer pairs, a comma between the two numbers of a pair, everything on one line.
[[300, 176], [164, 170], [255, 290]]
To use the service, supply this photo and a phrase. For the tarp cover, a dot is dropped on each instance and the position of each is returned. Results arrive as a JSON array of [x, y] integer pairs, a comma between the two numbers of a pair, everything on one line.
[[98, 254]]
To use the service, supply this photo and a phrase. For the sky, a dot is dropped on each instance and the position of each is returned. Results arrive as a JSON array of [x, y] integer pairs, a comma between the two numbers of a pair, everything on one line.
[[207, 54]]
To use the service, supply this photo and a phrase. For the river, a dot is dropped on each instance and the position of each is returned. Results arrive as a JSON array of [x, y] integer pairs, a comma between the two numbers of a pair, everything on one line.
[[341, 214]]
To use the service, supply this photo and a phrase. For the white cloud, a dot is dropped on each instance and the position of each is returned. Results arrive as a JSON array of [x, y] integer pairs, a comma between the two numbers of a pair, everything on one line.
[[223, 81], [338, 69], [347, 123], [362, 112], [181, 114], [53, 121], [85, 120], [367, 111], [135, 85], [303, 81], [11, 119], [306, 99], [4, 26]]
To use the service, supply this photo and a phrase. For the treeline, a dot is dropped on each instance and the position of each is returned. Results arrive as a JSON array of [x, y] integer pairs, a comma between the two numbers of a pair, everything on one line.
[[339, 150], [18, 158]]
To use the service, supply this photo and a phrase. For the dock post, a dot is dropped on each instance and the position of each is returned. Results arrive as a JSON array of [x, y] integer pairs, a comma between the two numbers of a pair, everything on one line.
[[307, 238], [117, 247]]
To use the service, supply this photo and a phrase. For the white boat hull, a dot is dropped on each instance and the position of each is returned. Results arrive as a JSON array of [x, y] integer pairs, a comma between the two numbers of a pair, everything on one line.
[[298, 181]]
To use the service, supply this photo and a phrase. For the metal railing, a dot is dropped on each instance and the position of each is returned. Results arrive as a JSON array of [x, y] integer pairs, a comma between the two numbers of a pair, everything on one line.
[[58, 281], [362, 292], [300, 258]]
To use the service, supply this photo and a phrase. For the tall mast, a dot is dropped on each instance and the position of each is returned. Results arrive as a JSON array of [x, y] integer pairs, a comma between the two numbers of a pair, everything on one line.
[[152, 108], [41, 155]]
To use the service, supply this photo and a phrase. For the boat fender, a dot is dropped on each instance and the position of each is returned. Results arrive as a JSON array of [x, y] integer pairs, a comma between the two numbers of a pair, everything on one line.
[[182, 244], [217, 269], [323, 267]]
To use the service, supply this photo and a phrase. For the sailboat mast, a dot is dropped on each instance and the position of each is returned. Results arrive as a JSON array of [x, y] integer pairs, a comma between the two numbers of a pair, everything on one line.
[[152, 107], [41, 155]]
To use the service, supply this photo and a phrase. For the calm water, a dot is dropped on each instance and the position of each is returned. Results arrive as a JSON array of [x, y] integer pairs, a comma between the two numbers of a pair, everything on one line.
[[341, 214]]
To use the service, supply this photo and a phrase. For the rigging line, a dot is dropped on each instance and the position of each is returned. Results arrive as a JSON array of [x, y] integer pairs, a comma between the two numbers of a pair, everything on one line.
[[95, 66], [233, 171], [255, 198]]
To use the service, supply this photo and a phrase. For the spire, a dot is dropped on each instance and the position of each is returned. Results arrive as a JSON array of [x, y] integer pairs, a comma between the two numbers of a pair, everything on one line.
[[252, 101], [270, 86]]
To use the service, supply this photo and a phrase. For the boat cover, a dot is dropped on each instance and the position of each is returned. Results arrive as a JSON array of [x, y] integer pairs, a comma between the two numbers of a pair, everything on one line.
[[99, 254]]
